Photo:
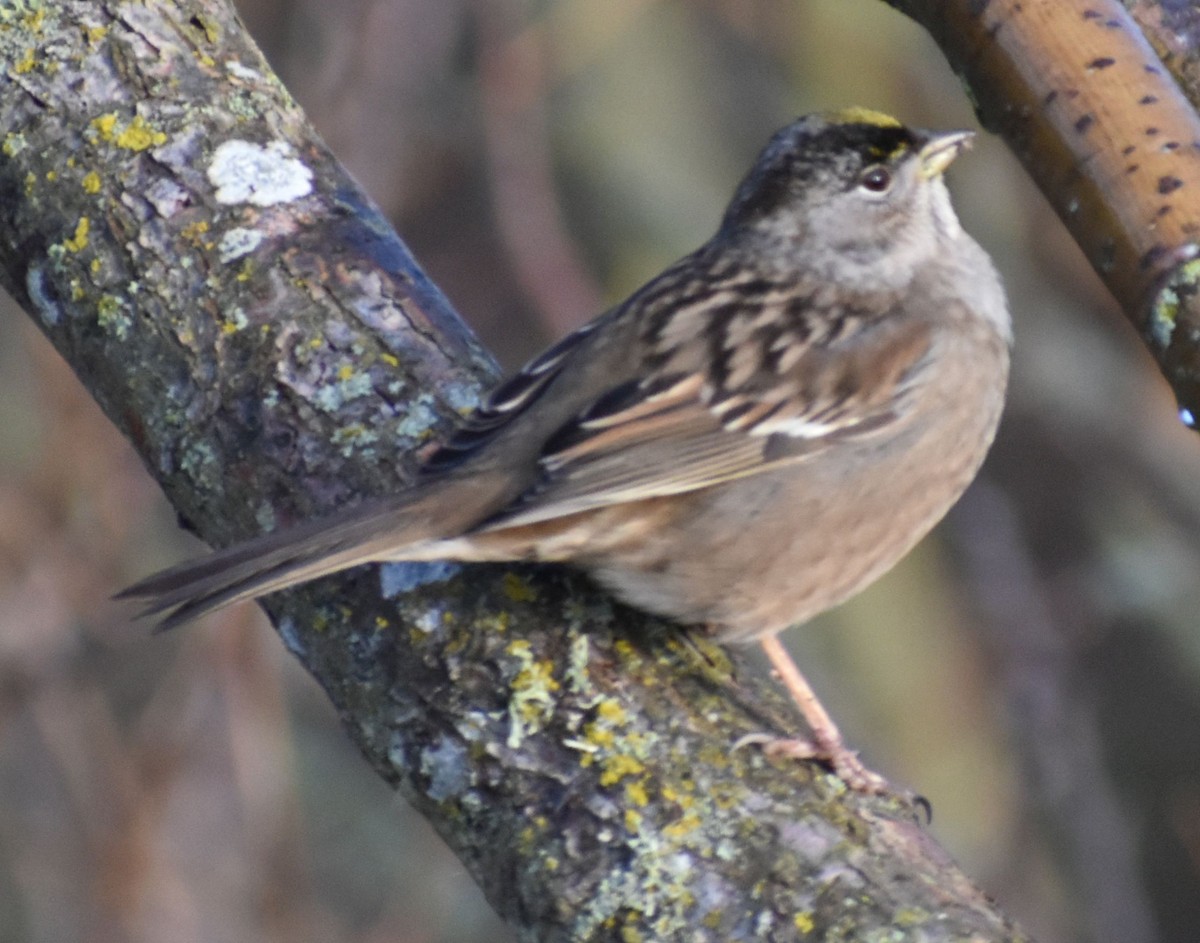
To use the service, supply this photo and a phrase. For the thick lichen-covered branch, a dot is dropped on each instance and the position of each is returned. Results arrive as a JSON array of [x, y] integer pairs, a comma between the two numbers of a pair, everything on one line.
[[244, 314]]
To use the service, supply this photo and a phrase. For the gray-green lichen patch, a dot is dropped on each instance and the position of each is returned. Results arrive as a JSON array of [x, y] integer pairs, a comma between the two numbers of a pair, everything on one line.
[[1184, 284], [1163, 314], [238, 242], [350, 385], [420, 419], [662, 884], [579, 680], [26, 23], [245, 172], [265, 518], [463, 398], [114, 316], [200, 462], [354, 438]]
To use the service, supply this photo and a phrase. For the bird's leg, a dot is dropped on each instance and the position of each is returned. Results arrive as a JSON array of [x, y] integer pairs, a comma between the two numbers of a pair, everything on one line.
[[826, 744]]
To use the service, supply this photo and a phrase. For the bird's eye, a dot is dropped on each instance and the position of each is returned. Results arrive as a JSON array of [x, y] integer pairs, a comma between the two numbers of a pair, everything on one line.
[[876, 179]]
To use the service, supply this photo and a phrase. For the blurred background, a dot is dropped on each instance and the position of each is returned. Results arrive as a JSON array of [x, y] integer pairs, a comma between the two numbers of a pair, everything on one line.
[[1033, 669]]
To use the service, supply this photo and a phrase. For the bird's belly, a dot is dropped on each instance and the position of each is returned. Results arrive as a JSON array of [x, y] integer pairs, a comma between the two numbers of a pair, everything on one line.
[[718, 562]]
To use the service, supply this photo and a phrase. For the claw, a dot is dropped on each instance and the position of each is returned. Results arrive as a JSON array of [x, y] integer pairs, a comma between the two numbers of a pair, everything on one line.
[[845, 763]]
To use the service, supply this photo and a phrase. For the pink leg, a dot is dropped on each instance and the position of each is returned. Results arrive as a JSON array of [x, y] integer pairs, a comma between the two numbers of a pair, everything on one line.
[[827, 744]]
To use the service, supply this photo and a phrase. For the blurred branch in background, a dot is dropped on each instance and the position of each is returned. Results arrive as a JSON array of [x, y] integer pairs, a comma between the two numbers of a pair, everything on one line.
[[1060, 738], [513, 75], [1084, 101], [654, 110]]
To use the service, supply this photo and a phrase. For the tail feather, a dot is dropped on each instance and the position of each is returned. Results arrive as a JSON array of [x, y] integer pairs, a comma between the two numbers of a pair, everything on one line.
[[373, 531], [251, 580]]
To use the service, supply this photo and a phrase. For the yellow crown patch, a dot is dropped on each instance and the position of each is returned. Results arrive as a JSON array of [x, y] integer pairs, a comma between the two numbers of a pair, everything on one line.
[[860, 116]]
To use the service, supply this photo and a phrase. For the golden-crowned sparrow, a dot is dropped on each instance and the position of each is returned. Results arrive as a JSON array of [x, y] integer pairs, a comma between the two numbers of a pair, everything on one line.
[[749, 439]]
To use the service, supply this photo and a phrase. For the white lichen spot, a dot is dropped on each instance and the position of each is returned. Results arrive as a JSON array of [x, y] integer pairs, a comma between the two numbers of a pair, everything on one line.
[[264, 517], [462, 397], [446, 768], [397, 578], [431, 620], [350, 386], [419, 420], [291, 637], [198, 461], [238, 242], [245, 172], [355, 386], [1162, 319], [244, 72], [578, 677], [235, 320]]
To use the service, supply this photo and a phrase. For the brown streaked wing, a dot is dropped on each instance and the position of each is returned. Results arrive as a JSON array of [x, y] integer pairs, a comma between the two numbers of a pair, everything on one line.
[[675, 433], [677, 447], [507, 400]]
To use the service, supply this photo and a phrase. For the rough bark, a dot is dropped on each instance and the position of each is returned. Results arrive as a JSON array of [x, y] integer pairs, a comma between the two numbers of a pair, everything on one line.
[[241, 310]]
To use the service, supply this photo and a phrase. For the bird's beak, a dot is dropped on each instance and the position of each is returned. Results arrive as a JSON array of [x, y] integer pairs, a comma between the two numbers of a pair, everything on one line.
[[941, 148]]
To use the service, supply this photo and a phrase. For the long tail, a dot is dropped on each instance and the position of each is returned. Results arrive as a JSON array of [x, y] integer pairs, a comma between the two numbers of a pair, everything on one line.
[[376, 530]]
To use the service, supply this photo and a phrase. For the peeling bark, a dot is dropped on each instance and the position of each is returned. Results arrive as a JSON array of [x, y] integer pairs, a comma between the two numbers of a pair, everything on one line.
[[242, 311]]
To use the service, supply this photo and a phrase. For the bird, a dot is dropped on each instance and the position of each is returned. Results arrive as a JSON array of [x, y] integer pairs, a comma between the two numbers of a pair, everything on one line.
[[749, 439]]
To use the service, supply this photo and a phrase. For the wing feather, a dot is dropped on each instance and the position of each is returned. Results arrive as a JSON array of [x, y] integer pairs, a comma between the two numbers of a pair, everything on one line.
[[720, 384]]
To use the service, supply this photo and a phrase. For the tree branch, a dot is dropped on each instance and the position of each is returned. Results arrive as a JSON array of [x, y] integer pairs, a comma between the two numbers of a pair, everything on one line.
[[240, 309], [1103, 128]]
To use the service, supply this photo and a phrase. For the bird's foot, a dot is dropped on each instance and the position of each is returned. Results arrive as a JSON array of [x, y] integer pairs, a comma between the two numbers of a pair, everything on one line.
[[843, 761]]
